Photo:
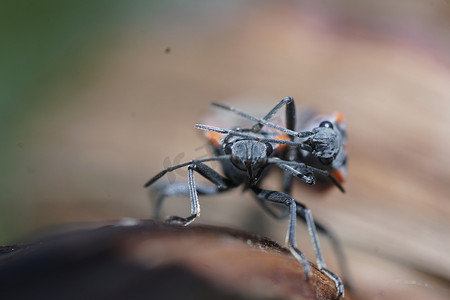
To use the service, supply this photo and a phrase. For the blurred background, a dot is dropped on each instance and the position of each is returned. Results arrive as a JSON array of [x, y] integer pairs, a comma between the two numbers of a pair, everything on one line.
[[98, 96]]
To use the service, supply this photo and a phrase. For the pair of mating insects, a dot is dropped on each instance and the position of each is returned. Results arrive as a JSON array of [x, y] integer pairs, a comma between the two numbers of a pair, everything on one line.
[[315, 152]]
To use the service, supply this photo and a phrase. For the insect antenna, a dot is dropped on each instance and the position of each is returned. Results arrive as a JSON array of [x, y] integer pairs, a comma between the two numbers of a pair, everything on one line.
[[303, 134], [248, 136]]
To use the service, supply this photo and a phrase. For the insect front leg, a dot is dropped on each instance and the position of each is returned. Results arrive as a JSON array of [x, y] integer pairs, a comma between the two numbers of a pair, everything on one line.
[[221, 184], [178, 189], [304, 173], [195, 205]]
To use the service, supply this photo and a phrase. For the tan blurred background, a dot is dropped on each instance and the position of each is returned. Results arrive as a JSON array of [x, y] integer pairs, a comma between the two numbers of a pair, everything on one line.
[[96, 95]]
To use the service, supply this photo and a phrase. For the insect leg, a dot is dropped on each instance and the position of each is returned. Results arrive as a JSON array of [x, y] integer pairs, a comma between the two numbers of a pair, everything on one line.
[[221, 183], [334, 242], [307, 216], [170, 169], [304, 173], [279, 215], [287, 182], [302, 215], [195, 205], [291, 155], [178, 189], [331, 177], [299, 166], [278, 197]]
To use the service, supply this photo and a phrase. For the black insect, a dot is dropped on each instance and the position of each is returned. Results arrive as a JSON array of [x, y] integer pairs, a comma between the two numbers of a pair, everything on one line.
[[245, 155]]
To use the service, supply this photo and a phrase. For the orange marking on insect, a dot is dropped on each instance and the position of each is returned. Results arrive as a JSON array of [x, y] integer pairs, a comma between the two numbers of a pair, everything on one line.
[[282, 137], [339, 175], [214, 138], [339, 117]]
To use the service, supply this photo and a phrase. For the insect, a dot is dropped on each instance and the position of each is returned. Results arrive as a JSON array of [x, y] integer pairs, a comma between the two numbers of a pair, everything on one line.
[[245, 155]]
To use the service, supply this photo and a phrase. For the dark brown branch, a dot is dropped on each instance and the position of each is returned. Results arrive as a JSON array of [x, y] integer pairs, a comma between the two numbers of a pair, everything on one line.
[[158, 261]]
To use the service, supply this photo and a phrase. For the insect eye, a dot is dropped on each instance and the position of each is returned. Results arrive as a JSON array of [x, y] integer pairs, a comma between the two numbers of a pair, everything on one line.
[[227, 149], [326, 124], [269, 149], [326, 161]]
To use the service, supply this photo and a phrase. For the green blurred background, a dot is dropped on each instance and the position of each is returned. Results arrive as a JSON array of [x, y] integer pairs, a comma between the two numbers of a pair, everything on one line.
[[95, 95], [45, 44]]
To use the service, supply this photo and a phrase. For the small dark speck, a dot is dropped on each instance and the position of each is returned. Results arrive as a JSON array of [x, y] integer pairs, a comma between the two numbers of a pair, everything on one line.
[[167, 50], [20, 145]]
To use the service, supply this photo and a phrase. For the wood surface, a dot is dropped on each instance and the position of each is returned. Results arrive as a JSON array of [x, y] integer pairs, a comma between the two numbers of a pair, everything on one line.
[[157, 261]]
